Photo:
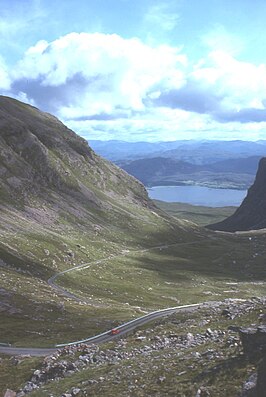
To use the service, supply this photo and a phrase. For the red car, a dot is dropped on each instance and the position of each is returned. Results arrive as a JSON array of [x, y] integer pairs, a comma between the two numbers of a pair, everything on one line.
[[114, 331]]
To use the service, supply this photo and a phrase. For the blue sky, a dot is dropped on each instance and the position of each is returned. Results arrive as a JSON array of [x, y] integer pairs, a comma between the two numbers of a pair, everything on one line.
[[147, 70]]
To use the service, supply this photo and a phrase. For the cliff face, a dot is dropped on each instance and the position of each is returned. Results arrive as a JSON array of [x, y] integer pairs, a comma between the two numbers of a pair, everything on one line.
[[251, 214]]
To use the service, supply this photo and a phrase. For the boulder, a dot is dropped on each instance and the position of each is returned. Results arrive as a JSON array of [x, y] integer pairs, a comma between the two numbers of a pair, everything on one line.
[[253, 341], [10, 393], [261, 381], [249, 388]]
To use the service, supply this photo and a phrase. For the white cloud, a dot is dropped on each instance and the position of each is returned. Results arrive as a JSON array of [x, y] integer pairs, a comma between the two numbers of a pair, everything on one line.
[[241, 84], [104, 86], [167, 125], [99, 73]]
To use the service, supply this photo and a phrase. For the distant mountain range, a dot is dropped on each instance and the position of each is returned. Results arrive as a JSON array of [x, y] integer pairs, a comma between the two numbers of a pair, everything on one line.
[[192, 151], [218, 164]]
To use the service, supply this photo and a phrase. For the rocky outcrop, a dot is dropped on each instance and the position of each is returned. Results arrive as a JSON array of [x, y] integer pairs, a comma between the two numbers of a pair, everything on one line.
[[251, 214], [254, 347], [261, 381], [253, 341]]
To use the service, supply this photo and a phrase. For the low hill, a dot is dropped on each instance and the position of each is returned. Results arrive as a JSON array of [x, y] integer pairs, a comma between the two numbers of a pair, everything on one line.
[[231, 173], [251, 215]]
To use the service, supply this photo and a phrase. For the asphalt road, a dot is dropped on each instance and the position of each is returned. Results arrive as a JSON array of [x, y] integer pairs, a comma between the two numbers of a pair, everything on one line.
[[63, 291], [104, 337]]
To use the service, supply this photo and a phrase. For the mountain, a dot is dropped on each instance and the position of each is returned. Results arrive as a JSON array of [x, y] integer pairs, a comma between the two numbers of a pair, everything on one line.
[[153, 170], [68, 214], [234, 173], [41, 159], [61, 206], [251, 214], [117, 150], [207, 152], [192, 151], [50, 175]]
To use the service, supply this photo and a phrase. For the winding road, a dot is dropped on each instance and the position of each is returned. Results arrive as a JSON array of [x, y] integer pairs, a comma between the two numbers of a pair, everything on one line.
[[105, 336]]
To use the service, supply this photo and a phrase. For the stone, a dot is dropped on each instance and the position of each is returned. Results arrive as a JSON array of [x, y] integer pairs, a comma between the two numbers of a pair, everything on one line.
[[202, 392], [30, 386], [161, 379], [226, 313], [262, 318], [20, 394], [253, 341], [75, 391], [190, 337], [261, 381], [209, 332], [10, 393], [249, 388], [140, 338]]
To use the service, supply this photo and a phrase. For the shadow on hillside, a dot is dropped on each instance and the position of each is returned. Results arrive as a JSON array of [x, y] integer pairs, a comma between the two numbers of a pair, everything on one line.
[[226, 258], [24, 265]]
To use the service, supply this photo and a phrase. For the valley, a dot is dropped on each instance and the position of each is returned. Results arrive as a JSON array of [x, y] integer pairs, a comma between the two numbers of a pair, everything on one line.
[[83, 249]]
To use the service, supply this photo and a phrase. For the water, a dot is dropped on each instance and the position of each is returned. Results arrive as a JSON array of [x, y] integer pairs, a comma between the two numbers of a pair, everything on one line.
[[198, 195]]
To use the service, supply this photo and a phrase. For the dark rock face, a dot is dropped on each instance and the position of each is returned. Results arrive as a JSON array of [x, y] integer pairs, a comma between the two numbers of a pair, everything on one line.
[[251, 214], [254, 346], [253, 341], [261, 381]]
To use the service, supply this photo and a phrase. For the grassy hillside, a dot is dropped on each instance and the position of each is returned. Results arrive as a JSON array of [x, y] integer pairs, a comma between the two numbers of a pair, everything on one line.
[[175, 356], [200, 215], [62, 205]]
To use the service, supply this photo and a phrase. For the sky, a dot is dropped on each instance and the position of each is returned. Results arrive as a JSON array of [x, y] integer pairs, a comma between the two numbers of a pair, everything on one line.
[[142, 70]]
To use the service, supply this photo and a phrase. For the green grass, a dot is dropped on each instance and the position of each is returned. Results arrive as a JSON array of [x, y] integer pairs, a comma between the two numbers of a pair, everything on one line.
[[185, 369], [185, 273], [195, 213], [14, 373], [122, 287]]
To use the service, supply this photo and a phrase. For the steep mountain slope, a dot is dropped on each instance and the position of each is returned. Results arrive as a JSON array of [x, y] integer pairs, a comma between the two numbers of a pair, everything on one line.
[[251, 214], [51, 178], [62, 205], [39, 155]]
